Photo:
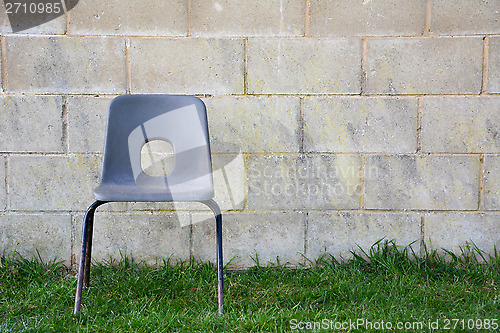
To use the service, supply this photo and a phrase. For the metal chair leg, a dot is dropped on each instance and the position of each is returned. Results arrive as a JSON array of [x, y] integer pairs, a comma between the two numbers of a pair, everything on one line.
[[84, 268], [88, 253], [220, 263]]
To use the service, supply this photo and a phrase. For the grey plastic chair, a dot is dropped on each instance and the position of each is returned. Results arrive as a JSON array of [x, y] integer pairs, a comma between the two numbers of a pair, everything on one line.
[[133, 121]]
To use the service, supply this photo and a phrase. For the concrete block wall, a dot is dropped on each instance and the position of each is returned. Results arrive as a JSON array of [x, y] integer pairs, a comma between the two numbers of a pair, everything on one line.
[[333, 124]]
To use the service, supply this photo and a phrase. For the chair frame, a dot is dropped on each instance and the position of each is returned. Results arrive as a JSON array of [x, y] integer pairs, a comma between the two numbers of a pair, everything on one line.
[[86, 253]]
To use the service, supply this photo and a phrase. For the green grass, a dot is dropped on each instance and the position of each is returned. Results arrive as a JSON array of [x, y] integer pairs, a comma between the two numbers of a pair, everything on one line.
[[387, 283]]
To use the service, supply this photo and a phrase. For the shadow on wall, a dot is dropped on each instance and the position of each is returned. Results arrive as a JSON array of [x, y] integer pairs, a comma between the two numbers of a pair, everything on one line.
[[26, 14]]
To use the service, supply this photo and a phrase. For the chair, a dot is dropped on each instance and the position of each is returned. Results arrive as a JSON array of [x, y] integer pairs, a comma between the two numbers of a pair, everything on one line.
[[133, 121]]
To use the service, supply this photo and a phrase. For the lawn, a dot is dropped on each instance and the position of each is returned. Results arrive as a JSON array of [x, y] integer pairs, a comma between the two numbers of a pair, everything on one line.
[[387, 287]]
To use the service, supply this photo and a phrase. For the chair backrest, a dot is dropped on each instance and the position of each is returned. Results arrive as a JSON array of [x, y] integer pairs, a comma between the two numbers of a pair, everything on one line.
[[135, 120]]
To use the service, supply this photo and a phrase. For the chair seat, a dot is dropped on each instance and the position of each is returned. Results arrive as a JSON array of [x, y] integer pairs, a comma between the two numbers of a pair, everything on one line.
[[107, 192]]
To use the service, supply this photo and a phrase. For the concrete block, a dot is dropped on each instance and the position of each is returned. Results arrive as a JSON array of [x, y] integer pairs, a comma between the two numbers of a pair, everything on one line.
[[247, 18], [145, 236], [452, 230], [230, 181], [87, 118], [66, 65], [494, 65], [304, 66], [179, 209], [53, 182], [424, 65], [465, 17], [492, 182], [31, 123], [115, 17], [187, 66], [3, 183], [461, 124], [111, 207], [1, 69], [49, 24], [422, 182], [47, 233], [352, 124], [366, 18], [254, 124], [338, 233], [279, 182], [271, 236]]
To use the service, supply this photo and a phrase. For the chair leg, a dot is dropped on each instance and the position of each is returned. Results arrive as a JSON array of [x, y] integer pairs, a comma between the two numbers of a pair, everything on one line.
[[220, 262], [84, 268], [88, 251]]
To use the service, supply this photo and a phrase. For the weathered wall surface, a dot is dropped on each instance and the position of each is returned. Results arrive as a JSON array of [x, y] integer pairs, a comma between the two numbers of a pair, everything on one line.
[[333, 123]]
